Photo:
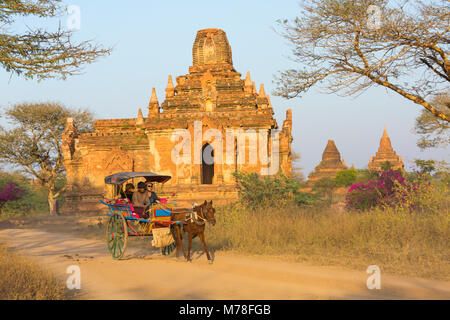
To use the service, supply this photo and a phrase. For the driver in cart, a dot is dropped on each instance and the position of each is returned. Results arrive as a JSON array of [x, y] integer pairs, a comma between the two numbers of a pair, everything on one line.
[[141, 201]]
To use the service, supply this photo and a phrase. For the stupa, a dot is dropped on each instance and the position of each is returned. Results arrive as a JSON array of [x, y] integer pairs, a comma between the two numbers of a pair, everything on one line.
[[385, 154], [330, 165]]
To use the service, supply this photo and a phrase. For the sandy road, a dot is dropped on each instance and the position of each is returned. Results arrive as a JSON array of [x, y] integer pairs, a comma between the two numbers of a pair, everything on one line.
[[145, 274]]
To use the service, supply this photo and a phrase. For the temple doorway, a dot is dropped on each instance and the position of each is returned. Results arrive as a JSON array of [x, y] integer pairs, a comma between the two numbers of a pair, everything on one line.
[[207, 164]]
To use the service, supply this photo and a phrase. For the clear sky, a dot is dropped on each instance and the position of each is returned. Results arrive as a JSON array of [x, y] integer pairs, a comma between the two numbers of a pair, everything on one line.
[[153, 39]]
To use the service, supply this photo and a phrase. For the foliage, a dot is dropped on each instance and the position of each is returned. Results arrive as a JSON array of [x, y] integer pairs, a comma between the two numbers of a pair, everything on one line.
[[423, 194], [11, 192], [257, 191], [417, 192], [34, 142], [346, 178], [40, 53], [297, 173], [434, 132], [325, 187], [425, 166], [386, 166], [347, 48], [363, 196], [438, 170], [33, 200], [365, 175]]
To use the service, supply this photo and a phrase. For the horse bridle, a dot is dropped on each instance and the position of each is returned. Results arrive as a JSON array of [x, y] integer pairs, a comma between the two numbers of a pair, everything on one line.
[[197, 218]]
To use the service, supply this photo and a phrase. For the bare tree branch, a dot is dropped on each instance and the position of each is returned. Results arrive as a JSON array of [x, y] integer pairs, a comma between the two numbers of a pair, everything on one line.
[[338, 50]]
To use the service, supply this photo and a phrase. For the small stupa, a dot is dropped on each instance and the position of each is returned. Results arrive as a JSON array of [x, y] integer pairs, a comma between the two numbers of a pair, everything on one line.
[[385, 154], [330, 165]]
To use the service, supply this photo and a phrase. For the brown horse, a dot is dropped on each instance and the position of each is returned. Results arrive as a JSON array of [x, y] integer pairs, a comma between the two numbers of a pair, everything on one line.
[[195, 225]]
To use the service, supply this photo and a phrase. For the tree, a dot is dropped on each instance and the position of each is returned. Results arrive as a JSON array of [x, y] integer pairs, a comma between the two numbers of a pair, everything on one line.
[[366, 175], [40, 53], [256, 191], [345, 178], [425, 166], [34, 142], [325, 186], [297, 173], [434, 131], [351, 45]]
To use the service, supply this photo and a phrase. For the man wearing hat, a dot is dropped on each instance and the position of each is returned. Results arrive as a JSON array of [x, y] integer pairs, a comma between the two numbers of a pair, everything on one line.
[[140, 200]]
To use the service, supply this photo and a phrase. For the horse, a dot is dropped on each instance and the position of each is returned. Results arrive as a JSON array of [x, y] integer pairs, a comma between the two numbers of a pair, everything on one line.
[[195, 222]]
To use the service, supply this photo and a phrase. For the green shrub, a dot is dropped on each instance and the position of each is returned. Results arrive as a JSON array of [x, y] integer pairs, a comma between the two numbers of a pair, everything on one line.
[[346, 178], [365, 175], [325, 187], [256, 191], [34, 200], [423, 194]]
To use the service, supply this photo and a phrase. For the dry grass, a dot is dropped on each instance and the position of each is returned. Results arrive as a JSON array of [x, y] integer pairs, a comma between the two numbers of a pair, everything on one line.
[[22, 279], [400, 243], [408, 244]]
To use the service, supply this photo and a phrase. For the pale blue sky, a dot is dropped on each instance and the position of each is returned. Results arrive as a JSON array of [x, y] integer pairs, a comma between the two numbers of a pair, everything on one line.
[[153, 39]]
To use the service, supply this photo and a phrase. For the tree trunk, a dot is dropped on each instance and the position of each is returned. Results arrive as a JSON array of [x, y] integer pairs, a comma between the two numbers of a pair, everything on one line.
[[52, 203]]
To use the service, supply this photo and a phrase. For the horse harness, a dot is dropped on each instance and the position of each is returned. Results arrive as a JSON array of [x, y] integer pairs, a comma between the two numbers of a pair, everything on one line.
[[193, 216]]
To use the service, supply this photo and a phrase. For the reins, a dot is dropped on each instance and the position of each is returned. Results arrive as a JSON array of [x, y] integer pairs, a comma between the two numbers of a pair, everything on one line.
[[194, 216]]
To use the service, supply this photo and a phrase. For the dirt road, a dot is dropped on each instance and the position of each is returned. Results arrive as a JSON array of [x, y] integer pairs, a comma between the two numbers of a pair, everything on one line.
[[145, 274]]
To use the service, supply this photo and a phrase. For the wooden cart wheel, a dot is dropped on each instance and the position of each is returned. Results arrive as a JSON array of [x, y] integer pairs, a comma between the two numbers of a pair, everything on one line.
[[168, 249], [116, 235]]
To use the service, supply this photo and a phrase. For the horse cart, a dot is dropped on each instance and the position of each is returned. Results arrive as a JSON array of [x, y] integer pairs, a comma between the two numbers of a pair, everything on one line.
[[163, 222], [124, 222]]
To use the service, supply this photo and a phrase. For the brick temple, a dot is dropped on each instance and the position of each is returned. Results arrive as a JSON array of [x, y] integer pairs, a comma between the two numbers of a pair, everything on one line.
[[331, 162], [385, 154], [210, 101], [330, 165]]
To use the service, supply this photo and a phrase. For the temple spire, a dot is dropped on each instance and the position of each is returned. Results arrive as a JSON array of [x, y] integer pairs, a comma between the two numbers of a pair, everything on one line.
[[140, 118], [248, 80], [385, 154], [385, 134], [248, 83], [385, 142], [262, 94], [330, 165], [153, 99], [170, 90], [153, 106]]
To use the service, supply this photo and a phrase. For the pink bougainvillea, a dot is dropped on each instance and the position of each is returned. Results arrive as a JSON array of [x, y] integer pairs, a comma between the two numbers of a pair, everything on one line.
[[10, 192], [381, 191]]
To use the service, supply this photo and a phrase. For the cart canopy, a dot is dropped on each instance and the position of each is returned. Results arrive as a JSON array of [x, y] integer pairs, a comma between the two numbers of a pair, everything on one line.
[[121, 177]]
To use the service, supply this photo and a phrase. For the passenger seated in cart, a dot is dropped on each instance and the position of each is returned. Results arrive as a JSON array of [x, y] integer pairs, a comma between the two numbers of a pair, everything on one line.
[[152, 197], [140, 201], [128, 194]]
